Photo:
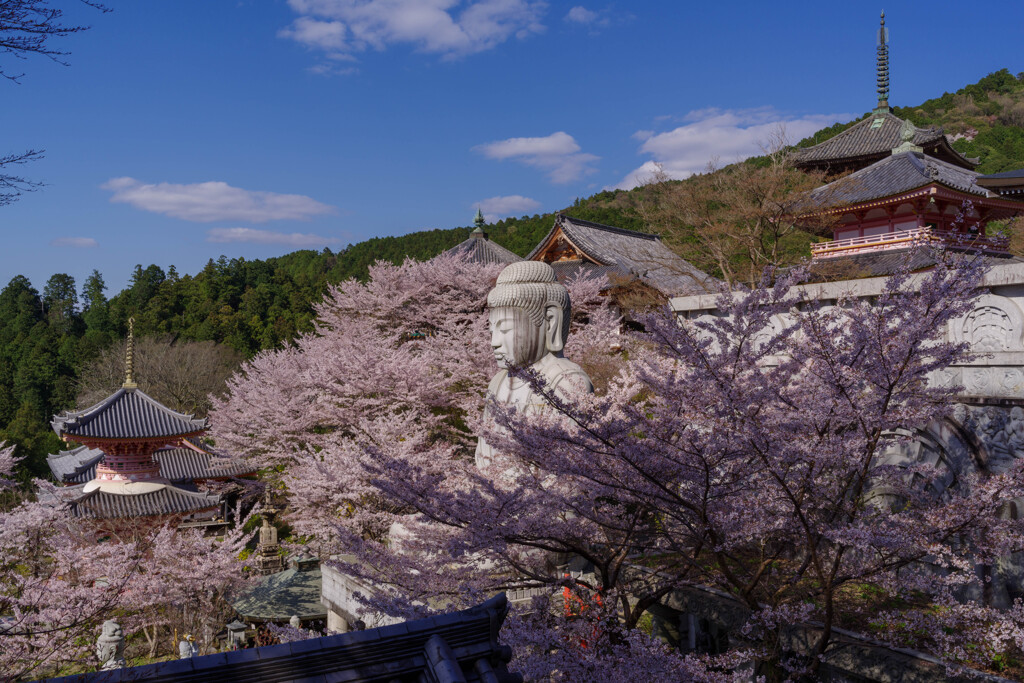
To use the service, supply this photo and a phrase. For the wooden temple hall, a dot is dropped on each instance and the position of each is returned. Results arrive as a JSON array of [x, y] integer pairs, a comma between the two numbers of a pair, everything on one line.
[[574, 245], [138, 458], [904, 186]]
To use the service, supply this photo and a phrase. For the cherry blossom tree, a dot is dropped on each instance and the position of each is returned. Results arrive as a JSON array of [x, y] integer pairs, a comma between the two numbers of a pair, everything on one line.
[[751, 448], [746, 451], [58, 582]]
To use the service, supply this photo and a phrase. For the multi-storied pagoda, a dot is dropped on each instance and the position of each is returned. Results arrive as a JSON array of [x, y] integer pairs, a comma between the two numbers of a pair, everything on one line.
[[906, 187], [130, 444]]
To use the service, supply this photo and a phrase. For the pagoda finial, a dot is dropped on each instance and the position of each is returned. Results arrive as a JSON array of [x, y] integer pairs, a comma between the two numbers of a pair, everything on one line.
[[883, 65], [129, 357], [478, 221]]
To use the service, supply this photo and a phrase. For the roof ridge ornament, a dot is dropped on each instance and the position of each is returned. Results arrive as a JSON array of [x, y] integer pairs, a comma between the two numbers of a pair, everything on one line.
[[883, 67], [907, 132], [129, 358]]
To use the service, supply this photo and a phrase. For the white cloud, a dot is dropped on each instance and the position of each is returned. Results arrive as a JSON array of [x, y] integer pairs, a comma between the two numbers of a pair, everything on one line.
[[253, 236], [214, 201], [445, 27], [494, 208], [581, 15], [557, 154], [709, 135], [75, 242]]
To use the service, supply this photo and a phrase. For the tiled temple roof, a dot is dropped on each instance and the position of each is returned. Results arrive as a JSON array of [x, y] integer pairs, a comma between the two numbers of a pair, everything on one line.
[[75, 466], [276, 597], [460, 646], [126, 414], [895, 175], [480, 249], [629, 254], [164, 500], [882, 263], [1008, 183], [876, 136], [177, 465]]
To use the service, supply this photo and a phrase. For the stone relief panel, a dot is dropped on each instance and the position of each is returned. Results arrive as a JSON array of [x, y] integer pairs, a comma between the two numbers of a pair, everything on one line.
[[995, 325], [995, 381], [975, 438]]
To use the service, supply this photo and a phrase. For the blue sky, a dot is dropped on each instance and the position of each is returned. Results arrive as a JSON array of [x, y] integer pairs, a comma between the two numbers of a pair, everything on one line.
[[186, 129]]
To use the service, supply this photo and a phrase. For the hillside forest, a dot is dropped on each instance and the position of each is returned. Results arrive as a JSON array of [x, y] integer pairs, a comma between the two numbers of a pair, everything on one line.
[[56, 341]]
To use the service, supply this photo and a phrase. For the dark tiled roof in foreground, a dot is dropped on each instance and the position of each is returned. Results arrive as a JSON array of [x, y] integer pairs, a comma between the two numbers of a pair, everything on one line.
[[631, 254], [460, 646], [882, 263], [479, 249], [895, 175], [276, 597], [126, 414], [178, 465], [167, 500], [866, 139]]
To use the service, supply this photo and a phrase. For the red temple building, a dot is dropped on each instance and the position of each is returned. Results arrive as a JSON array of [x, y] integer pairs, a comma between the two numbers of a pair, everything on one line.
[[138, 458], [905, 187]]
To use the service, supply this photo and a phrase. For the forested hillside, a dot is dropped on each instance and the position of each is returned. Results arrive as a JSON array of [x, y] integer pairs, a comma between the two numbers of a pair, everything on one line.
[[47, 337]]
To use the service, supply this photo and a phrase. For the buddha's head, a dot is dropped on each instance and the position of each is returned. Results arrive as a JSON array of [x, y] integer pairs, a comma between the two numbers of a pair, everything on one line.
[[529, 314]]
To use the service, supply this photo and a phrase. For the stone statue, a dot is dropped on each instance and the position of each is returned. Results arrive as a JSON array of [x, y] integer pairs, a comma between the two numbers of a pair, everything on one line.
[[187, 647], [110, 646], [529, 316], [295, 622]]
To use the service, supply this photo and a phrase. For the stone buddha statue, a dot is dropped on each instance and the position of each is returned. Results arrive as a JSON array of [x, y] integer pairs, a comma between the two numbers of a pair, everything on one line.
[[529, 312]]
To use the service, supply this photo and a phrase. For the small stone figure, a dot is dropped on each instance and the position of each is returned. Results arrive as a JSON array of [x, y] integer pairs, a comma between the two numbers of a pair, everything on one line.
[[295, 622], [110, 646], [187, 647], [236, 635]]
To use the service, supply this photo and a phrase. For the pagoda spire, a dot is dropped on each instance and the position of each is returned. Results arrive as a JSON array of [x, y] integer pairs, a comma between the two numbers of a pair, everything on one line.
[[478, 221], [883, 66], [129, 357]]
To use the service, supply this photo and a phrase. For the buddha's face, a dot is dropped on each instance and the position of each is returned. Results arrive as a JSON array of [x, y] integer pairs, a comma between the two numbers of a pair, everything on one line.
[[515, 339]]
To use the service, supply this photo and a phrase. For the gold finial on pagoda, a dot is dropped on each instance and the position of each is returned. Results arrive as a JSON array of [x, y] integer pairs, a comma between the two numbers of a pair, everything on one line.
[[129, 357]]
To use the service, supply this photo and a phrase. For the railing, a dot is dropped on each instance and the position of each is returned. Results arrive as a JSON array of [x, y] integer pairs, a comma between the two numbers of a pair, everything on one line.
[[908, 238]]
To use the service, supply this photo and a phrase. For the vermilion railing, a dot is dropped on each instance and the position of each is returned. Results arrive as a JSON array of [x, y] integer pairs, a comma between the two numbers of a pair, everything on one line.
[[906, 238]]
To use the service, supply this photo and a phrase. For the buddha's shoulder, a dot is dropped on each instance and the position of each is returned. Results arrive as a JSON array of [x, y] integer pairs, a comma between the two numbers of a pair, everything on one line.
[[559, 371]]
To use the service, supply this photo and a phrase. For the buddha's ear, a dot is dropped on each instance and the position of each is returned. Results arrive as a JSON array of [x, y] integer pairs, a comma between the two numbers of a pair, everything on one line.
[[553, 339]]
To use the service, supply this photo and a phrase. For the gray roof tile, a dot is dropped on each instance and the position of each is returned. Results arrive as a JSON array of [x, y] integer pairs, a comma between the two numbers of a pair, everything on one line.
[[631, 254], [276, 597], [177, 465], [479, 249], [893, 175], [864, 140], [168, 500], [126, 414]]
